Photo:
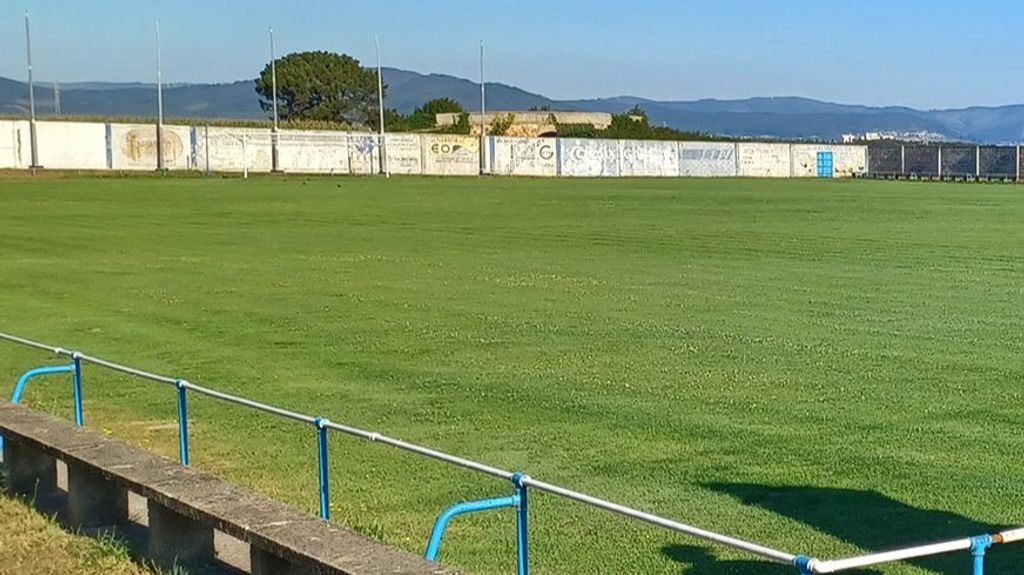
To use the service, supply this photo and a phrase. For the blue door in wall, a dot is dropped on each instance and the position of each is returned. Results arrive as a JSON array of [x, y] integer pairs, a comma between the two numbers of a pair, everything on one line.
[[825, 164]]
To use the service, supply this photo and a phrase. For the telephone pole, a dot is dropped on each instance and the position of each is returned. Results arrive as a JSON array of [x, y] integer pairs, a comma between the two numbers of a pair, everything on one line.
[[159, 104], [31, 99], [274, 137]]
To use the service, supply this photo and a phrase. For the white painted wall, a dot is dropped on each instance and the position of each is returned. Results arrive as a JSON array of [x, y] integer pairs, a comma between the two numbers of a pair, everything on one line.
[[13, 141], [582, 157], [133, 147], [363, 154], [648, 158], [70, 145], [226, 152], [312, 152], [80, 145], [759, 160], [524, 156], [404, 153], [450, 155], [707, 159], [846, 160]]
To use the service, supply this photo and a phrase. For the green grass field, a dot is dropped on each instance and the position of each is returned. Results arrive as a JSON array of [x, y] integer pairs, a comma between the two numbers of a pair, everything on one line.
[[823, 367]]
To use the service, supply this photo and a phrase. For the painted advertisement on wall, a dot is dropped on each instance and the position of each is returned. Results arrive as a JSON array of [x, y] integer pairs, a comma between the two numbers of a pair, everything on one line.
[[707, 159], [524, 156], [587, 158], [233, 149], [404, 154], [648, 158], [451, 155], [133, 147], [759, 160], [363, 154], [312, 152]]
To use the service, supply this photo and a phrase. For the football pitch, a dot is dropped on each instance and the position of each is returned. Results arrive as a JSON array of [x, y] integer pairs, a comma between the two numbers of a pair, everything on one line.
[[823, 367]]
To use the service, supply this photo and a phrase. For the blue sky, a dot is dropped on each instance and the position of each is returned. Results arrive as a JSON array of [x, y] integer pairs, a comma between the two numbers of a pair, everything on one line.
[[921, 53]]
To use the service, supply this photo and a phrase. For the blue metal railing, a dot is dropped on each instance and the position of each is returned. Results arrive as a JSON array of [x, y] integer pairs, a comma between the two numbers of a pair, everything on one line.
[[521, 482], [322, 467], [75, 368], [437, 533], [182, 421]]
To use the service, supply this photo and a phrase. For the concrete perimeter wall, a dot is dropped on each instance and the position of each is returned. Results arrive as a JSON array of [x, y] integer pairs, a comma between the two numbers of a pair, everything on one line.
[[847, 160], [708, 159], [308, 152], [81, 146], [13, 144], [763, 160], [581, 157], [524, 156], [97, 146], [452, 155], [133, 147], [404, 153], [233, 149]]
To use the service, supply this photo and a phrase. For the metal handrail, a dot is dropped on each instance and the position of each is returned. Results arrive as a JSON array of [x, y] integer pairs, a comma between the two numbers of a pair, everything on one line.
[[376, 437], [754, 548], [267, 408], [426, 451], [803, 563]]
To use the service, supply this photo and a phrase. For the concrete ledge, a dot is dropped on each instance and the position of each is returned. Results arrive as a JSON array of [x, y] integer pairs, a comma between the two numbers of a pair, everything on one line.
[[264, 563], [187, 503]]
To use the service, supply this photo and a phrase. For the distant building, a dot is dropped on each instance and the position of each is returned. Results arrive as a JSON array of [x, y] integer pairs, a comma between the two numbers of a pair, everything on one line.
[[531, 123], [849, 138]]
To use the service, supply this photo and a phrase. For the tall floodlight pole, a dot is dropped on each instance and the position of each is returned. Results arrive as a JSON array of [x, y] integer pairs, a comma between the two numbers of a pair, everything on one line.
[[159, 104], [31, 99], [275, 162], [383, 148], [483, 114]]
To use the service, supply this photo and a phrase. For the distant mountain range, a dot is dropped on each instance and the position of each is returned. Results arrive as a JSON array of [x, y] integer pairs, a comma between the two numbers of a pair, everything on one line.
[[784, 117]]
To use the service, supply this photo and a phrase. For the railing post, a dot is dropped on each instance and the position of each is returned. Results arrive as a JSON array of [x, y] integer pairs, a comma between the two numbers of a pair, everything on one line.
[[979, 544], [76, 377], [522, 532], [182, 386], [325, 487]]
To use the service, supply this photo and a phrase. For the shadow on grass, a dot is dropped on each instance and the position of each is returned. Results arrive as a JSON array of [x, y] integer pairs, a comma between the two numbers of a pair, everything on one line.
[[867, 519]]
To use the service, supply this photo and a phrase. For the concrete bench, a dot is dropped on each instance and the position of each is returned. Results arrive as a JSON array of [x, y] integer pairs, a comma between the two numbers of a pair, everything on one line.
[[185, 506]]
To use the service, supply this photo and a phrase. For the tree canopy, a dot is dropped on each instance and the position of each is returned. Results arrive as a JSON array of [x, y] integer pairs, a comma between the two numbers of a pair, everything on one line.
[[424, 118], [633, 124], [320, 86]]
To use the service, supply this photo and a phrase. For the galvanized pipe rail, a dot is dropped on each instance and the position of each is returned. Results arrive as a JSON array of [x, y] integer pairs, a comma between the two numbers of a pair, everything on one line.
[[977, 544], [805, 565]]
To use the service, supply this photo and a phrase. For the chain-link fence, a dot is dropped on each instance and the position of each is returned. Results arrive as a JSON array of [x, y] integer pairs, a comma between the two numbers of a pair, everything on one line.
[[885, 160], [946, 161], [1000, 162]]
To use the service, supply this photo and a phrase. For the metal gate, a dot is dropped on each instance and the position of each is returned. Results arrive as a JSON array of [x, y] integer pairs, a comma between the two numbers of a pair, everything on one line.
[[825, 167]]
